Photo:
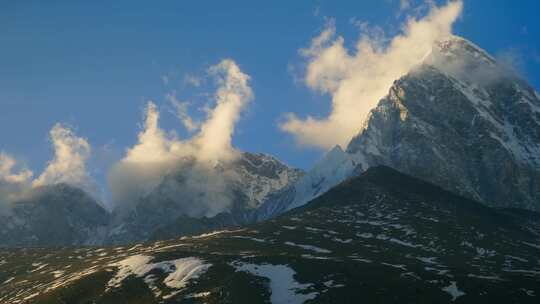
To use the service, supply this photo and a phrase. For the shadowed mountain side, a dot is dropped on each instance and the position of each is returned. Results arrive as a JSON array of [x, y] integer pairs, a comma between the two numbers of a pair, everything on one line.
[[380, 237]]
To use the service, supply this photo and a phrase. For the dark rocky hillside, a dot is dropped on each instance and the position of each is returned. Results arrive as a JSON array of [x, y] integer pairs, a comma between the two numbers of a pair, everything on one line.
[[381, 237]]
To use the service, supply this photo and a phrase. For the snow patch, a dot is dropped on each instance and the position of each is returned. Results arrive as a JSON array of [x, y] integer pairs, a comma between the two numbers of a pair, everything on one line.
[[365, 235], [336, 239], [398, 266], [335, 167], [283, 288], [453, 290], [483, 277], [186, 269], [180, 271], [309, 247], [331, 284], [57, 273], [249, 238]]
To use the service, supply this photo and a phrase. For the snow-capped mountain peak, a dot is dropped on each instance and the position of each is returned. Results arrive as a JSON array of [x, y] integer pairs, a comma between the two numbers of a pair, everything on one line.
[[458, 119], [455, 48], [472, 126]]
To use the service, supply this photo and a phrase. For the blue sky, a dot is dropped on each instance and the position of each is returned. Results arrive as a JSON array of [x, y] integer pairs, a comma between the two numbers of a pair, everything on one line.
[[94, 64]]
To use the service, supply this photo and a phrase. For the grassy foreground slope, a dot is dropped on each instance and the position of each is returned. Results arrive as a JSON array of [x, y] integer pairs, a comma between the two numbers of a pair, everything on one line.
[[382, 237]]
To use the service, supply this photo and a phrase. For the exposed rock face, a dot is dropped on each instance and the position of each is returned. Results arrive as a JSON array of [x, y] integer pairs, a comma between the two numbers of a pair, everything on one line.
[[458, 120], [462, 122], [185, 200], [189, 200], [260, 175], [56, 215]]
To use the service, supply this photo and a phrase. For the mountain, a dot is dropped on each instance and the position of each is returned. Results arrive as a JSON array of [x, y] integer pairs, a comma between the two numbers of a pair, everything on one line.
[[55, 215], [335, 167], [380, 237], [194, 199], [471, 135], [459, 119], [63, 215]]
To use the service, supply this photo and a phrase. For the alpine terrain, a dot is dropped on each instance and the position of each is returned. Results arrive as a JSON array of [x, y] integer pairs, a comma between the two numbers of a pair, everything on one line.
[[380, 237], [426, 188], [176, 206], [63, 215], [459, 119]]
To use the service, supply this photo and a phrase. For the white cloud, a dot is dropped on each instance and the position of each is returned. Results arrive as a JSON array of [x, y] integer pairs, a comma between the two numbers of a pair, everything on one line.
[[7, 165], [157, 153], [69, 163], [193, 80], [357, 80], [181, 112], [233, 94], [145, 163], [14, 180], [67, 166]]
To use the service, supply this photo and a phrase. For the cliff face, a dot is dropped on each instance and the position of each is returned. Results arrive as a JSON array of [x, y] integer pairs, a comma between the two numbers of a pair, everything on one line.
[[461, 121], [181, 203], [458, 119]]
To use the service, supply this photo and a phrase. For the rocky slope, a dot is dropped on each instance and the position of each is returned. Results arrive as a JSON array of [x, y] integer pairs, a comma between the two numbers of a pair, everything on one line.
[[459, 119], [382, 237], [54, 215], [63, 215], [227, 196], [473, 129]]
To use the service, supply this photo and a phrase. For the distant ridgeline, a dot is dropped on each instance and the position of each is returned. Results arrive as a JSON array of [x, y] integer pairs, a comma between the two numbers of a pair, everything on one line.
[[444, 122]]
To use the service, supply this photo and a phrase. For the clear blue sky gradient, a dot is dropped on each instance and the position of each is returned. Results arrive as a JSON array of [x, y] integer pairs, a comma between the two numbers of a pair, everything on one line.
[[94, 64]]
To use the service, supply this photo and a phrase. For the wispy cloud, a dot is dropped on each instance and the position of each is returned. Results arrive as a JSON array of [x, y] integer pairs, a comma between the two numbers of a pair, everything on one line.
[[193, 80], [68, 166], [357, 79], [14, 181], [71, 154], [512, 58], [157, 152], [181, 112], [7, 167]]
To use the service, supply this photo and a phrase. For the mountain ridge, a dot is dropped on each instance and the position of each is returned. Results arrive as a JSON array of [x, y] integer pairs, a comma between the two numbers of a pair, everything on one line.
[[458, 119], [54, 215], [354, 243]]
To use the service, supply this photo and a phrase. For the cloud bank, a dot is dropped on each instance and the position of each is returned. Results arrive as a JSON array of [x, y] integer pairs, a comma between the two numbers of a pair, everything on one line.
[[158, 153], [356, 80]]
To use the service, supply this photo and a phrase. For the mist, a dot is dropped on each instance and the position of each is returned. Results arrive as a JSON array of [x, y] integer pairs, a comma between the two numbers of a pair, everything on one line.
[[158, 153]]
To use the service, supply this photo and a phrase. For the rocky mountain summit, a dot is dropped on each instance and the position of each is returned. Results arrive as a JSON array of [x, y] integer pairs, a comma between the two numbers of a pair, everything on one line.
[[189, 200], [459, 119], [462, 122]]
